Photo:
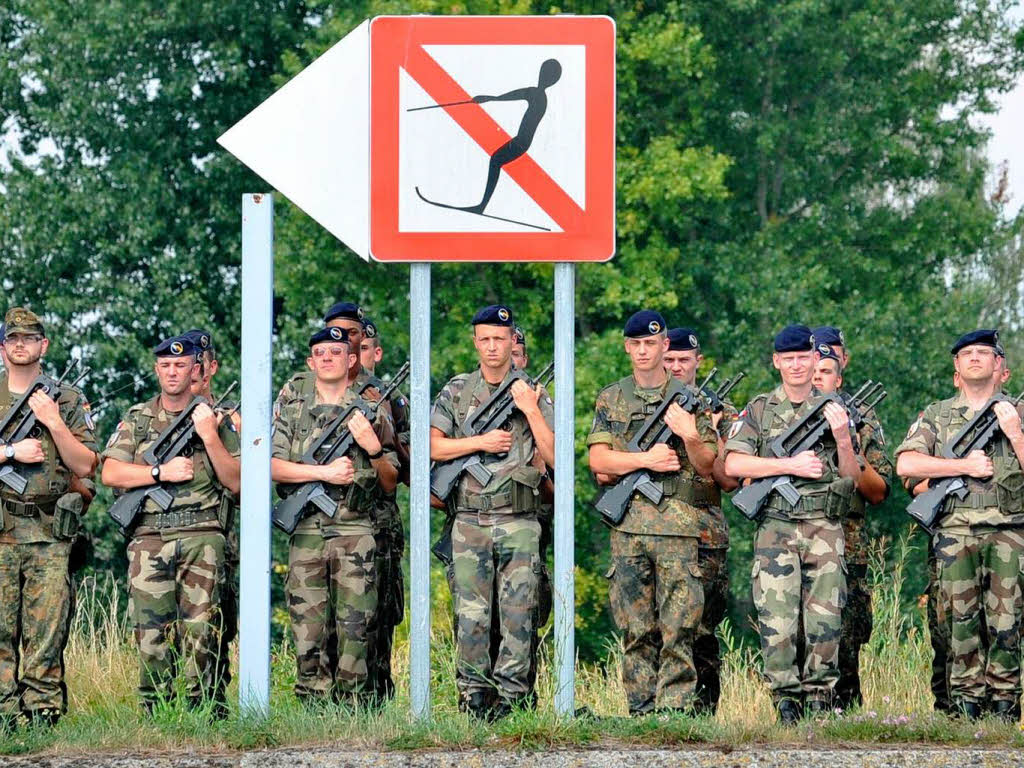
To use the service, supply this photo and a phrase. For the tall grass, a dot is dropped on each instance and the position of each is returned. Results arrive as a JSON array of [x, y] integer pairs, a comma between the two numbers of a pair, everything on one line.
[[103, 715]]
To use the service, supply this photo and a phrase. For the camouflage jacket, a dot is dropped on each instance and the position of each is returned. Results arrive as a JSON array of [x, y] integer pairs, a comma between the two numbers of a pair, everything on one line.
[[298, 422], [515, 486], [995, 501], [621, 410], [138, 430], [50, 479], [766, 417], [714, 532], [872, 443]]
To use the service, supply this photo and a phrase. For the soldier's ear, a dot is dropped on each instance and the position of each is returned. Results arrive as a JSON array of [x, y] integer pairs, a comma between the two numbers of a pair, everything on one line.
[[352, 359], [309, 362], [775, 361], [378, 354], [45, 346]]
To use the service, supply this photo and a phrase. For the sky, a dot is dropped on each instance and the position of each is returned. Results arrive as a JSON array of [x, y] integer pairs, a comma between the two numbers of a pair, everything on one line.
[[1007, 142]]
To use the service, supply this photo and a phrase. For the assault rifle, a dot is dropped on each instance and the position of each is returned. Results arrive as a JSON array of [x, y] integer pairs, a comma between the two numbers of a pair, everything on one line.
[[802, 436], [176, 440], [491, 414], [20, 421], [335, 441], [715, 397], [975, 435], [613, 502]]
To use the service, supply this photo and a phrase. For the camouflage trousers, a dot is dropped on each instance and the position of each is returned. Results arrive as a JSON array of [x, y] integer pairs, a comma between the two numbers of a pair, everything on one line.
[[799, 578], [503, 561], [390, 605], [939, 634], [331, 592], [35, 611], [657, 601], [174, 593], [980, 585], [856, 631], [229, 610], [707, 658]]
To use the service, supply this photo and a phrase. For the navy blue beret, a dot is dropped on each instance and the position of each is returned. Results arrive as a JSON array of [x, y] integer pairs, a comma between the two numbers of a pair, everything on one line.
[[828, 334], [200, 338], [682, 339], [176, 346], [519, 336], [329, 334], [646, 322], [825, 351], [988, 338], [794, 338], [495, 314], [346, 310], [369, 328]]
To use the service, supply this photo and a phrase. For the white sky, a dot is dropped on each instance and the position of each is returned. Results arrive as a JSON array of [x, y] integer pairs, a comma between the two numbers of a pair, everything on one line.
[[1007, 142]]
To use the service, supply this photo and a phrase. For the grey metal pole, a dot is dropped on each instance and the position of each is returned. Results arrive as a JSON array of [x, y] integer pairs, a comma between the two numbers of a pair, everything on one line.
[[257, 312], [419, 490], [565, 472]]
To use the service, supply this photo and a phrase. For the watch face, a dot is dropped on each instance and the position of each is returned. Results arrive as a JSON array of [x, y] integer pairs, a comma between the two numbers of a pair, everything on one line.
[[9, 451], [155, 472]]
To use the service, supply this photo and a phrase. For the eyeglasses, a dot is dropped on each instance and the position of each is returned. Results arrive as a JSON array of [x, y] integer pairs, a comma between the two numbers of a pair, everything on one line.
[[22, 338], [329, 351]]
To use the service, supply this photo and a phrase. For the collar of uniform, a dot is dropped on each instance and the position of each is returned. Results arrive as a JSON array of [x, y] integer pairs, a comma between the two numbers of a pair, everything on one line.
[[779, 396], [485, 383], [346, 398], [651, 394]]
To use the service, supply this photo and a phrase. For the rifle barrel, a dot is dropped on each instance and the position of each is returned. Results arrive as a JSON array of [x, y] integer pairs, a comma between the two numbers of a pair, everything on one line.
[[707, 380]]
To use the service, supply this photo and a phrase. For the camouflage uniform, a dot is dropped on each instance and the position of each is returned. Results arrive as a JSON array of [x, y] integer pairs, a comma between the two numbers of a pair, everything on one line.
[[36, 532], [176, 563], [857, 613], [229, 593], [978, 547], [656, 594], [332, 581], [495, 549], [799, 572]]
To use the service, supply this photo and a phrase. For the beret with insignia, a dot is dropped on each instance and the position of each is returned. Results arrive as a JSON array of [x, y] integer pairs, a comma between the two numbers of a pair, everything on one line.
[[987, 338], [22, 320], [519, 336], [682, 339], [829, 334], [794, 338], [646, 322], [369, 328], [200, 338], [176, 346], [495, 314], [328, 335], [346, 310], [825, 351]]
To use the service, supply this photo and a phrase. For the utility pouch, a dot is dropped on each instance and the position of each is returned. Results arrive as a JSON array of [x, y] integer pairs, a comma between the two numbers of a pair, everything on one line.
[[838, 498], [1009, 485], [67, 516], [526, 489]]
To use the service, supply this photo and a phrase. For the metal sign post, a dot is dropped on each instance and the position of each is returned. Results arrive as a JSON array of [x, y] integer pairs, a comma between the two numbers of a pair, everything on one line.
[[254, 572]]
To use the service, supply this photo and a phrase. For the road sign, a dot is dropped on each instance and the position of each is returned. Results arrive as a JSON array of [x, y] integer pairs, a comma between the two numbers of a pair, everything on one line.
[[492, 138]]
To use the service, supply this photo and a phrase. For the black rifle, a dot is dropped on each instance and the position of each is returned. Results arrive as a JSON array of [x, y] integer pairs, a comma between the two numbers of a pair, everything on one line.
[[20, 422], [716, 397], [334, 441], [802, 436], [491, 414], [976, 434], [176, 440], [613, 502]]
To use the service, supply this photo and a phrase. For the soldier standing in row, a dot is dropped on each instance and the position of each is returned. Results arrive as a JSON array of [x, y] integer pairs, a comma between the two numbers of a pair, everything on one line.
[[176, 558], [332, 582], [682, 361], [495, 533], [37, 528], [656, 594], [799, 570], [979, 539]]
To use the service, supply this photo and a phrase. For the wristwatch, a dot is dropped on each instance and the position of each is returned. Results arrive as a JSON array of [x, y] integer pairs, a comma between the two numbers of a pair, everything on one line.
[[9, 451], [155, 472], [377, 455]]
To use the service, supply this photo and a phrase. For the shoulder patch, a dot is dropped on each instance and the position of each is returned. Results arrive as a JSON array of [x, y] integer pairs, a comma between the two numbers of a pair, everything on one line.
[[735, 429]]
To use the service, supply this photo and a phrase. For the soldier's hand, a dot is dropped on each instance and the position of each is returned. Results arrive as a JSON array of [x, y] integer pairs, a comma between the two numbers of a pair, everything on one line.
[[806, 464], [1009, 419], [715, 418], [977, 464], [177, 470], [525, 398], [661, 458], [206, 422], [362, 431], [682, 423], [29, 450], [839, 421], [46, 410], [338, 472], [496, 441], [603, 479]]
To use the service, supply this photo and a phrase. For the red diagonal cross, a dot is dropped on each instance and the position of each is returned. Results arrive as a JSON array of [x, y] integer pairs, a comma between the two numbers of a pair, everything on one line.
[[482, 128]]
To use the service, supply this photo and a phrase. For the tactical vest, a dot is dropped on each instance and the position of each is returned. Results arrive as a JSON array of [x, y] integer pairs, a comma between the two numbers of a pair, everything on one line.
[[521, 491], [47, 480], [828, 497]]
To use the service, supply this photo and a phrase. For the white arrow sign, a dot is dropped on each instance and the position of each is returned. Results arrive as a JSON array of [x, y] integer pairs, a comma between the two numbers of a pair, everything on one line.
[[310, 140]]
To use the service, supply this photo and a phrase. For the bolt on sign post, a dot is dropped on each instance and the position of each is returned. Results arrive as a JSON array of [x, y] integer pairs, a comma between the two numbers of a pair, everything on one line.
[[458, 138]]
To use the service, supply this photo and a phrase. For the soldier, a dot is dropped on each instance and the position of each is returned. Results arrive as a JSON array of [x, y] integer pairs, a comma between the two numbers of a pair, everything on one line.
[[799, 569], [979, 539], [388, 530], [176, 559], [872, 488], [202, 386], [495, 532], [37, 529], [682, 361], [656, 594], [331, 575]]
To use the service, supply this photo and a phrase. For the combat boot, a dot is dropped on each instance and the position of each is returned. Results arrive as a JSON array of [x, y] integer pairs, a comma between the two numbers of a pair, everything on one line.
[[1007, 709], [46, 717], [817, 707], [967, 708], [789, 712], [477, 705]]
